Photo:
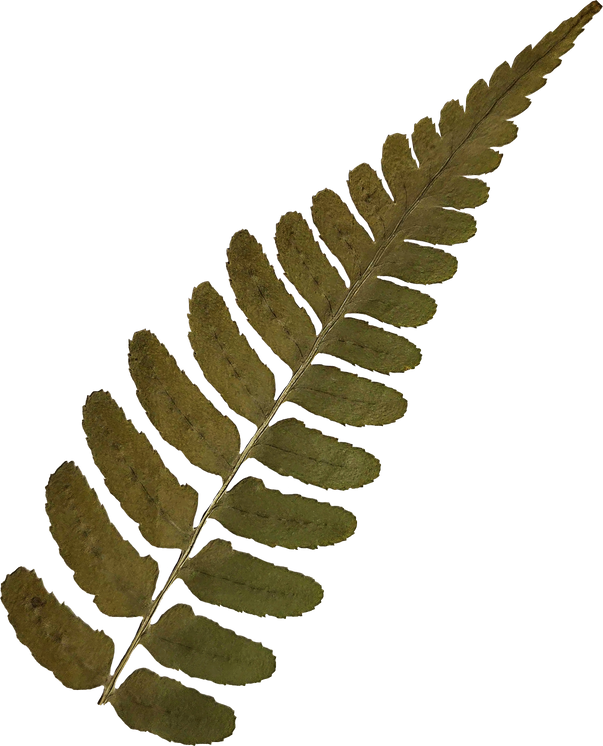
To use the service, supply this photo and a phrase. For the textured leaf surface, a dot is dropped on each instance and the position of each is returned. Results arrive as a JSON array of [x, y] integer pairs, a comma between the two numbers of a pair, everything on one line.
[[439, 225], [294, 450], [135, 474], [411, 262], [271, 310], [103, 563], [77, 655], [225, 357], [202, 648], [393, 304], [371, 199], [400, 170], [463, 145], [170, 710], [307, 268], [220, 575], [430, 187], [347, 398], [460, 192], [342, 233], [270, 517], [181, 413], [370, 347]]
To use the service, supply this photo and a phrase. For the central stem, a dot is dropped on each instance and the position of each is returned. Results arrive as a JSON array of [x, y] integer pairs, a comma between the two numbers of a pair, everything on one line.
[[380, 250], [381, 247]]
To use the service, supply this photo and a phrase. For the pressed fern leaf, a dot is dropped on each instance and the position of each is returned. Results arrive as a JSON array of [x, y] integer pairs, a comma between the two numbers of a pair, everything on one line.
[[221, 575], [149, 702], [307, 268], [252, 510], [226, 358], [370, 347], [103, 562], [77, 655], [292, 449], [431, 182], [178, 409], [202, 648], [134, 472]]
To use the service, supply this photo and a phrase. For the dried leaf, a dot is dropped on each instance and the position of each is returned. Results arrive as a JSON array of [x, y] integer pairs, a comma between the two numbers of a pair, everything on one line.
[[370, 347], [292, 449], [103, 563], [393, 304], [270, 309], [170, 710], [342, 233], [307, 268], [347, 398], [77, 655], [411, 262], [431, 188], [183, 416], [135, 474], [202, 648], [252, 510], [370, 198], [226, 358], [220, 575]]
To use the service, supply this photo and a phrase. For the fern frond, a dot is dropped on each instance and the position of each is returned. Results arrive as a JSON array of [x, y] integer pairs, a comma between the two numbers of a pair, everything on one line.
[[431, 185]]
